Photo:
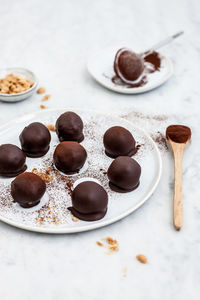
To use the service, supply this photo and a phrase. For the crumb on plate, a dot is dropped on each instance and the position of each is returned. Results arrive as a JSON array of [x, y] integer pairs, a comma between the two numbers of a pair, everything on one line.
[[51, 127], [44, 176]]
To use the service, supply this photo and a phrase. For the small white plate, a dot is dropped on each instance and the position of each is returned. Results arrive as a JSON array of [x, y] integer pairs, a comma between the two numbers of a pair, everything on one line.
[[22, 73], [100, 66], [119, 206]]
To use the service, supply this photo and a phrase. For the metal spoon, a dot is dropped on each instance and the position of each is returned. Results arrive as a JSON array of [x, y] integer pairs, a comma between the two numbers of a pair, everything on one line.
[[162, 43]]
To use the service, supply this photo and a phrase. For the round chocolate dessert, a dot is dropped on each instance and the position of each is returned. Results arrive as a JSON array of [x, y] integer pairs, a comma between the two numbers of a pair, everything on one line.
[[128, 65], [69, 157], [89, 201], [69, 127], [124, 174], [12, 160], [119, 141], [35, 140], [27, 189]]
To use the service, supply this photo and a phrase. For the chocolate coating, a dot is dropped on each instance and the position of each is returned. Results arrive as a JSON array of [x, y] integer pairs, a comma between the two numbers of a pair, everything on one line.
[[27, 189], [128, 65], [35, 140], [69, 157], [124, 174], [118, 141], [12, 160], [89, 201], [69, 127]]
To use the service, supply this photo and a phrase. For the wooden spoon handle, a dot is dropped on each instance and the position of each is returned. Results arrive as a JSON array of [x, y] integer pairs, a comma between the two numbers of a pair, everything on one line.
[[178, 203]]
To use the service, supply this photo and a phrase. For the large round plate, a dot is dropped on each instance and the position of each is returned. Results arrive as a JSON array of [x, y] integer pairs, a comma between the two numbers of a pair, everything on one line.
[[52, 215], [100, 67]]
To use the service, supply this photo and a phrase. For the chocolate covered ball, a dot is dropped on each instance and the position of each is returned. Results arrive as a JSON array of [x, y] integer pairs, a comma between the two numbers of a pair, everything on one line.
[[69, 157], [69, 127], [124, 174], [35, 140], [27, 189], [89, 201], [128, 65], [118, 141], [12, 160]]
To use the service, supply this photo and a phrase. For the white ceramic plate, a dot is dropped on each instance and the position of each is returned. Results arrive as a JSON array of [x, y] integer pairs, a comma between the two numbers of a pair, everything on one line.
[[100, 66], [57, 198], [19, 96]]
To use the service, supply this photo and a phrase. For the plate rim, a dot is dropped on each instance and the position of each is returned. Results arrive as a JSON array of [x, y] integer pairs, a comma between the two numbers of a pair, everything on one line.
[[129, 91], [92, 226]]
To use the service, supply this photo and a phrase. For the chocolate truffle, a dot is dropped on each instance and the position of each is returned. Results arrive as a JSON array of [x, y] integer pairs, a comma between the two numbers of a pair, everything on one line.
[[35, 140], [12, 160], [128, 65], [89, 201], [124, 174], [69, 127], [119, 141], [27, 189], [69, 157]]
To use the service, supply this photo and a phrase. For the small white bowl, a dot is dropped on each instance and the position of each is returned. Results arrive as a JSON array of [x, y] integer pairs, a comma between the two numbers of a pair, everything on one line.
[[23, 73]]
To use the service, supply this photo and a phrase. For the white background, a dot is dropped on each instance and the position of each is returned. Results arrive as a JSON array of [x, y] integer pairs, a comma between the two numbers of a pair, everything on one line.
[[54, 39]]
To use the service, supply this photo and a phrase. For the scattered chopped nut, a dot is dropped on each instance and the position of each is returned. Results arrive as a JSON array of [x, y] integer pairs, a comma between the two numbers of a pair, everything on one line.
[[34, 171], [45, 177], [125, 272], [46, 97], [51, 127], [41, 90], [111, 244], [99, 244], [56, 172], [48, 171], [110, 241], [74, 219], [63, 178], [141, 258], [47, 216], [42, 106], [113, 248], [12, 84]]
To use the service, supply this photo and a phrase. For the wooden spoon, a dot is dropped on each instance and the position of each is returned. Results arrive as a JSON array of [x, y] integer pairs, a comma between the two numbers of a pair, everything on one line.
[[178, 136]]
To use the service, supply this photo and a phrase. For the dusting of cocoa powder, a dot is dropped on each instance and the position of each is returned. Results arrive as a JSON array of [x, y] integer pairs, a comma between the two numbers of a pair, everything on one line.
[[160, 140], [69, 186], [178, 133]]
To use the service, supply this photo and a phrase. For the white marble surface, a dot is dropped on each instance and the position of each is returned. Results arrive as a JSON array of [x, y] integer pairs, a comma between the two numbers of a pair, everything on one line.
[[54, 39]]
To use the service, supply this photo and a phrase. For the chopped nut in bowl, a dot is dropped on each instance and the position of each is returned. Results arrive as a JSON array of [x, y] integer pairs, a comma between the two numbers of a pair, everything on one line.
[[16, 84]]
